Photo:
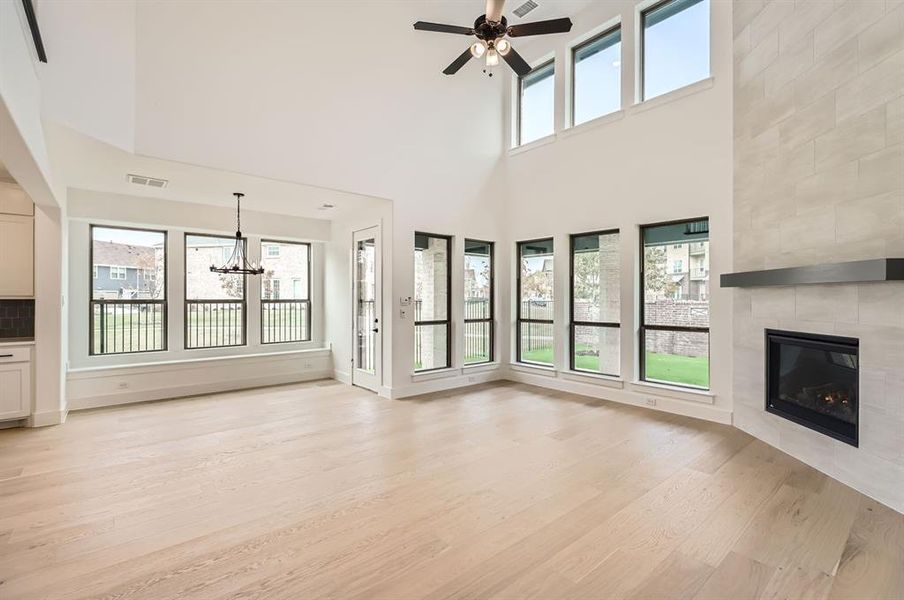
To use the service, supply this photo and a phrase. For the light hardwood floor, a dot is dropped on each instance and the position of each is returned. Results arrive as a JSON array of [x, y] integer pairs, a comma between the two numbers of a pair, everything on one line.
[[320, 490]]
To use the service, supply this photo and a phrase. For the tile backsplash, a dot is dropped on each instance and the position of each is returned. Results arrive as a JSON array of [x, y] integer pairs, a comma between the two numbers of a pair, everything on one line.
[[17, 318]]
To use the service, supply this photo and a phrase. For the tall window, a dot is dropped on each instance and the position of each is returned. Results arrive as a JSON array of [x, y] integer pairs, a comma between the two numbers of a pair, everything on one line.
[[597, 76], [535, 302], [674, 317], [675, 45], [536, 103], [128, 290], [432, 302], [214, 302], [285, 292], [479, 330], [595, 302]]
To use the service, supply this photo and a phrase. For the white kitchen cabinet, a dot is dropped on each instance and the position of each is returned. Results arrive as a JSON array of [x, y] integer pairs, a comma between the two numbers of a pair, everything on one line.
[[17, 256], [15, 382]]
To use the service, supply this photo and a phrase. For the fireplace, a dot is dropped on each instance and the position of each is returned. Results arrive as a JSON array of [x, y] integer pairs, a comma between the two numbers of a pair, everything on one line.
[[813, 380]]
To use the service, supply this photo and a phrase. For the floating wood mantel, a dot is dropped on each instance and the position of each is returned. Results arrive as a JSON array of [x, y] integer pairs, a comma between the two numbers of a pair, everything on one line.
[[860, 271]]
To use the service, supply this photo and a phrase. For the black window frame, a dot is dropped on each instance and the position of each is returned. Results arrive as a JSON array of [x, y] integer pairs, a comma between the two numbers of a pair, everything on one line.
[[164, 303], [447, 322], [574, 324], [310, 306], [518, 318], [641, 54], [492, 306], [520, 89], [187, 300], [643, 327], [574, 72]]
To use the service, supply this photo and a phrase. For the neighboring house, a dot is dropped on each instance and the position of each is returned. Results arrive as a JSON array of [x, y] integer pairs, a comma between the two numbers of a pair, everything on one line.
[[687, 265], [126, 272], [285, 271]]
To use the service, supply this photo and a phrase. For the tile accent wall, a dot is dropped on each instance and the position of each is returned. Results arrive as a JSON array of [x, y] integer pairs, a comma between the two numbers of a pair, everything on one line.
[[819, 177], [17, 318]]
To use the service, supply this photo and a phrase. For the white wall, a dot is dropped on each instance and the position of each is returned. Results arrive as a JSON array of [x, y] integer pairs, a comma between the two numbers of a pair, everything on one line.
[[663, 160], [90, 86], [23, 149]]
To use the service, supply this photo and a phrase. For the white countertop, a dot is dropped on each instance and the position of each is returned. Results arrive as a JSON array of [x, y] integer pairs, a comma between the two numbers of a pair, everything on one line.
[[16, 342]]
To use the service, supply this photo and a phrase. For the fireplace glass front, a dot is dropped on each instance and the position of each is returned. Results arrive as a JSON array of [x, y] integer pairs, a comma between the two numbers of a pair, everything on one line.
[[813, 380]]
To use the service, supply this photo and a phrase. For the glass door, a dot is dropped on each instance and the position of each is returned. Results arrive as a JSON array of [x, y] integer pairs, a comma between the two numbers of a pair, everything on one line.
[[367, 325]]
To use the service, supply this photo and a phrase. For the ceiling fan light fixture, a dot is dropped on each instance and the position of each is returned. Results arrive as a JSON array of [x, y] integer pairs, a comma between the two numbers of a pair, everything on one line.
[[502, 46], [492, 57], [478, 49]]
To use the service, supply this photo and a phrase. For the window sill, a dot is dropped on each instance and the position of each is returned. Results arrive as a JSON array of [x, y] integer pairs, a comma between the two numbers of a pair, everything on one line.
[[593, 124], [543, 141], [534, 369], [682, 92], [593, 378], [150, 367], [418, 376], [480, 367], [674, 391]]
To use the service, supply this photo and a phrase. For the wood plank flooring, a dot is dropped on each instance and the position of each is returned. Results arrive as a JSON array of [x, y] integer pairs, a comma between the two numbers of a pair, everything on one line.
[[501, 491]]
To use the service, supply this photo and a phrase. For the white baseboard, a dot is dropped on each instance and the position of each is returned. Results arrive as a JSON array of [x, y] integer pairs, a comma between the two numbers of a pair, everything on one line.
[[183, 391], [663, 403], [96, 388], [48, 418], [342, 376], [446, 383]]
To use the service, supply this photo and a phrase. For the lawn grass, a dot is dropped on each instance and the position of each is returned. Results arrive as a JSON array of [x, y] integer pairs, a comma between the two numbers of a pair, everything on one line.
[[672, 368], [668, 368]]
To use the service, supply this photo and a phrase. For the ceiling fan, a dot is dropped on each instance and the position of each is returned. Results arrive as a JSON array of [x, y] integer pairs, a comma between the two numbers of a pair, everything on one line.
[[491, 30]]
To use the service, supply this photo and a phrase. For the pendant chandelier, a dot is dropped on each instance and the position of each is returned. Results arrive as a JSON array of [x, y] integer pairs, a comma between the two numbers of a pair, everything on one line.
[[238, 263]]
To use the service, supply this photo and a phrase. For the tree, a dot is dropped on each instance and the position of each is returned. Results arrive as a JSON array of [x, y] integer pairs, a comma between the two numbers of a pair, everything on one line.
[[587, 277], [232, 285], [657, 282]]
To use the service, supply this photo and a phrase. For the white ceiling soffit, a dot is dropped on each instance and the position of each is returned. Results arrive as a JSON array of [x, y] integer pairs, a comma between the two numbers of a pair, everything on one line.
[[88, 164]]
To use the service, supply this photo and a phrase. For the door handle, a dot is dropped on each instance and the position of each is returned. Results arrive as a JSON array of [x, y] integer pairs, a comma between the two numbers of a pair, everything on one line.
[[6, 355], [375, 330]]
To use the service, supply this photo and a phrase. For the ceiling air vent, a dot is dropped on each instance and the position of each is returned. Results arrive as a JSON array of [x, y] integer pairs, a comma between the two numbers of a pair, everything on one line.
[[525, 8], [148, 181]]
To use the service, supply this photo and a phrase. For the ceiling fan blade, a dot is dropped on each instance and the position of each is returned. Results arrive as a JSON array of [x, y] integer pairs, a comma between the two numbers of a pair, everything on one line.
[[518, 64], [458, 63], [494, 10], [440, 27], [540, 27]]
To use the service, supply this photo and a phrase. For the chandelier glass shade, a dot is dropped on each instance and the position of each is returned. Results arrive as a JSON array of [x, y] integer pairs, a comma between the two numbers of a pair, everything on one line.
[[238, 263]]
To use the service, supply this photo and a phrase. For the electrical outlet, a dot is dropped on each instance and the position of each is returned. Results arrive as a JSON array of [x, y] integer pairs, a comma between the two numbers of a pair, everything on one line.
[[123, 385], [472, 379], [308, 365], [651, 401], [403, 313]]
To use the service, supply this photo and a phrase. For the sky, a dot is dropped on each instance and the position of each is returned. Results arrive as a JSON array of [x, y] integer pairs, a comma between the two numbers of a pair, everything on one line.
[[676, 53]]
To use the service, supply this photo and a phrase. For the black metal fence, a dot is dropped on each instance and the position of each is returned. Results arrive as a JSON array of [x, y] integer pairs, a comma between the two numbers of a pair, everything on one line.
[[214, 323], [126, 326], [536, 336], [285, 321], [478, 331]]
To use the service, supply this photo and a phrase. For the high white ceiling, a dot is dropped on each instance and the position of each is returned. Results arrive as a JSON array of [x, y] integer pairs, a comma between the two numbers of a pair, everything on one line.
[[337, 94]]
